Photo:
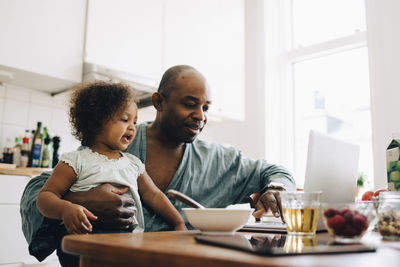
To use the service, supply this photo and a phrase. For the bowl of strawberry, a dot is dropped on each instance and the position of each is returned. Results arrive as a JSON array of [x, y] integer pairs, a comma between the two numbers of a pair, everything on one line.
[[348, 222]]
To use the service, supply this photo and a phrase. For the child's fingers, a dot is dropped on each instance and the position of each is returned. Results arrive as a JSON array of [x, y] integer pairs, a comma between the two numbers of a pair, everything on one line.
[[90, 215], [88, 228]]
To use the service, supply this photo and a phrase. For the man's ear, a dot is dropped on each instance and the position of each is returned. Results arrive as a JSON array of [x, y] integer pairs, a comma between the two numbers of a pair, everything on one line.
[[157, 100]]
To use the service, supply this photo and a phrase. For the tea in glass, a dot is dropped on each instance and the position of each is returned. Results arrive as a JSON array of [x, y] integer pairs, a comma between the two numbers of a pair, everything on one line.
[[301, 211]]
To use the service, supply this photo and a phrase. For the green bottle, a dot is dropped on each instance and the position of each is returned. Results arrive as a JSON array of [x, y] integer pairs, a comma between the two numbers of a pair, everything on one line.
[[46, 151], [36, 150]]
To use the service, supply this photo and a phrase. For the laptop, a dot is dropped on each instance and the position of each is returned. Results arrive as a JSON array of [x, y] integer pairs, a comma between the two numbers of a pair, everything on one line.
[[332, 167]]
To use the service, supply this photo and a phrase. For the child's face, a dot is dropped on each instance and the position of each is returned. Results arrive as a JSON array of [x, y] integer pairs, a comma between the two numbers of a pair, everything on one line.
[[120, 131]]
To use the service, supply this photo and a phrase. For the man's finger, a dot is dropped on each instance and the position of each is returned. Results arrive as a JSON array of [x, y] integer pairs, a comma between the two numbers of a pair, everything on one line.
[[260, 210], [278, 199], [119, 190], [269, 202], [127, 202]]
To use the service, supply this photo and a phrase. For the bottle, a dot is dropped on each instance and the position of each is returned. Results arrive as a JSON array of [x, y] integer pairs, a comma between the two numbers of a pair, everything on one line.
[[25, 152], [36, 150], [8, 152], [56, 145], [46, 152], [17, 152]]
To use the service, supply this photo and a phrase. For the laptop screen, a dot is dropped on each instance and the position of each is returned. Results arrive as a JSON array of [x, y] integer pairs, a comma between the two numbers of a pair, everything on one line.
[[332, 167]]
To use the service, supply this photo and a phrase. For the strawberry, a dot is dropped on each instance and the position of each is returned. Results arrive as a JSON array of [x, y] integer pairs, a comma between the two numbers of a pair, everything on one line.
[[330, 212], [359, 222], [350, 231], [344, 211], [336, 221], [348, 216]]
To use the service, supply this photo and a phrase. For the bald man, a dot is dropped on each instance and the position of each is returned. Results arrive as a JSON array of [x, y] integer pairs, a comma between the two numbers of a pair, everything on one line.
[[213, 174]]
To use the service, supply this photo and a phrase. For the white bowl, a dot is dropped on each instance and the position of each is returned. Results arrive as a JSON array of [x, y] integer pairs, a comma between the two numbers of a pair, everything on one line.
[[217, 220]]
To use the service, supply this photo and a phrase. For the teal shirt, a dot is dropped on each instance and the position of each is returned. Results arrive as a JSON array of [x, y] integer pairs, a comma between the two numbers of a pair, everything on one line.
[[212, 174]]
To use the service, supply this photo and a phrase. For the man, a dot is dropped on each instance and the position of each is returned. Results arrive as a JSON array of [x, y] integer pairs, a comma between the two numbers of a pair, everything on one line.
[[212, 174]]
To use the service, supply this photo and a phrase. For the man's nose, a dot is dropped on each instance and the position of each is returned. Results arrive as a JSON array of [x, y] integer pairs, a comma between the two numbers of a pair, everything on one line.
[[199, 114]]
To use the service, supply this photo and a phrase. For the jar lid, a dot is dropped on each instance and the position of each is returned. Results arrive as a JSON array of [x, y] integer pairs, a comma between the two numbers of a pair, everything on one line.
[[389, 195]]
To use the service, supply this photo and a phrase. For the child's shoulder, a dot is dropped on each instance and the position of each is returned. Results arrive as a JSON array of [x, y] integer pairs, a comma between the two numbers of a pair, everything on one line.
[[76, 154], [131, 157]]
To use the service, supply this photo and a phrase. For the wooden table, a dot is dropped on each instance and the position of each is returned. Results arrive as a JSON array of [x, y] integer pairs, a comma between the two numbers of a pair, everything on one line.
[[180, 249]]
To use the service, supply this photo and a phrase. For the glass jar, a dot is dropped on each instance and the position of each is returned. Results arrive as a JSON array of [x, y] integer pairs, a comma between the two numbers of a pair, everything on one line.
[[389, 215]]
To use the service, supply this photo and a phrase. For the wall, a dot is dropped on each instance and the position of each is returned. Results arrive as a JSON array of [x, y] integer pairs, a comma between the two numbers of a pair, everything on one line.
[[383, 39], [249, 134], [21, 108]]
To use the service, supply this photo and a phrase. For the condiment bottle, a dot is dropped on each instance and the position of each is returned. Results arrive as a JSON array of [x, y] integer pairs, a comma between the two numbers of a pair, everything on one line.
[[36, 150]]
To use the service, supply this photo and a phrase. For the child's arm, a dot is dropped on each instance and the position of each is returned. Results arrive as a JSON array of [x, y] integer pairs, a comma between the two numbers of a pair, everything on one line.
[[51, 204], [153, 197]]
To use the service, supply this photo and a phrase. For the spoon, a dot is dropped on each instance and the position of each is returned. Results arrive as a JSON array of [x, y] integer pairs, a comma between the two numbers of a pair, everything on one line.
[[185, 199]]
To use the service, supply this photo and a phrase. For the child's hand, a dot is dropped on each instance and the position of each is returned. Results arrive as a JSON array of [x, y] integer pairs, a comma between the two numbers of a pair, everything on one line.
[[180, 227], [76, 219]]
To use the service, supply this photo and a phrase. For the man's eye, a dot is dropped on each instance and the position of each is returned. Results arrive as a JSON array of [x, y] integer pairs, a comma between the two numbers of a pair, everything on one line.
[[205, 109], [190, 105], [124, 120]]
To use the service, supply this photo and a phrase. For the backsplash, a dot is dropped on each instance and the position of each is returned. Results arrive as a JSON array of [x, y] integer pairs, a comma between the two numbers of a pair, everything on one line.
[[21, 108]]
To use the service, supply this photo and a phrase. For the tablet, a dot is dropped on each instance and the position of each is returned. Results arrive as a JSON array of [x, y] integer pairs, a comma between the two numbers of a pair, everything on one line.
[[281, 245]]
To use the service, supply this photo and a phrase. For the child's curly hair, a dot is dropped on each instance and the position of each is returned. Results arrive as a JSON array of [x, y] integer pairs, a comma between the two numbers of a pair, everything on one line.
[[93, 104]]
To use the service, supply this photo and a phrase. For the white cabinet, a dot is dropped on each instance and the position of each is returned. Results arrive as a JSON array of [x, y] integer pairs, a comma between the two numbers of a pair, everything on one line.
[[147, 37], [42, 37], [126, 35], [13, 246], [209, 35]]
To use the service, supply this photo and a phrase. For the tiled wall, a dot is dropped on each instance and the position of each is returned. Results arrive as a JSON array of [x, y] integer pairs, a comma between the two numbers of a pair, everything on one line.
[[22, 108]]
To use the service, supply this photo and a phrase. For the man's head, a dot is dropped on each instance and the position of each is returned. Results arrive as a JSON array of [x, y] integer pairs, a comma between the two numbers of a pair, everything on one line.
[[182, 102]]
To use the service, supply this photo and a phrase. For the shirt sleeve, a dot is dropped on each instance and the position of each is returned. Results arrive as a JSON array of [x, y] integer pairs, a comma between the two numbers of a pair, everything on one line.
[[254, 175], [235, 176], [137, 162], [73, 160], [32, 220]]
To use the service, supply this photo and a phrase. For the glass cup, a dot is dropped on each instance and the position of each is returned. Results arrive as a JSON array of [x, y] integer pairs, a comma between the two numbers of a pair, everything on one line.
[[301, 211]]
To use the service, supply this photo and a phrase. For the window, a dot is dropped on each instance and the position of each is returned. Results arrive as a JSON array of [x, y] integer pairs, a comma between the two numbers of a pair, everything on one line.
[[328, 60]]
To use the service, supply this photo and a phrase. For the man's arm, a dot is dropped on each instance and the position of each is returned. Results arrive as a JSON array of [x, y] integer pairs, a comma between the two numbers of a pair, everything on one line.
[[277, 179]]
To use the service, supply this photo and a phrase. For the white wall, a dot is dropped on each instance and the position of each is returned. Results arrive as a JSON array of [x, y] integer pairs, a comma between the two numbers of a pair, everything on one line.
[[21, 108], [383, 37]]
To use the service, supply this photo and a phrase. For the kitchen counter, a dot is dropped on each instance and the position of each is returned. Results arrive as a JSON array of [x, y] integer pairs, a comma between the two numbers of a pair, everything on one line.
[[12, 170]]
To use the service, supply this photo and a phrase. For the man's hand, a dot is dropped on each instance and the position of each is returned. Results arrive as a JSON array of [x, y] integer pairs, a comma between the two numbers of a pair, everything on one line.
[[270, 200], [114, 211]]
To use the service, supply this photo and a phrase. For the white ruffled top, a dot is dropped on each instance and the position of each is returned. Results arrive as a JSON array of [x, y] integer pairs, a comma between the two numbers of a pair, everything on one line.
[[93, 169]]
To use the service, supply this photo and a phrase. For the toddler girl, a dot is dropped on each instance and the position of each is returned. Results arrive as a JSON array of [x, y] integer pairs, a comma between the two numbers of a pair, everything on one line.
[[103, 117]]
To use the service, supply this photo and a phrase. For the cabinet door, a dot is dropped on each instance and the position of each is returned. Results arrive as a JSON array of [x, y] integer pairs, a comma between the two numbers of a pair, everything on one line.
[[13, 246], [11, 188], [209, 35], [43, 36], [126, 35]]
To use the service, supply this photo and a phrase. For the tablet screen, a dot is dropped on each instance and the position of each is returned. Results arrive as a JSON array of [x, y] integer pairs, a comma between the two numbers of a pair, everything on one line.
[[281, 244]]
